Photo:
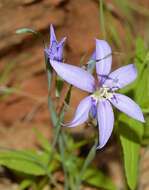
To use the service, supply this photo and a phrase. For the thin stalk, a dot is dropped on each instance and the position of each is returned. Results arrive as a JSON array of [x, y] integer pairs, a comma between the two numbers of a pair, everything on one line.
[[56, 135], [62, 152], [87, 162], [56, 120], [102, 23]]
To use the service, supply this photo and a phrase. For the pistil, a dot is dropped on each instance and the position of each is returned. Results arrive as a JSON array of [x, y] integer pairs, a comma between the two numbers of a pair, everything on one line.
[[102, 93]]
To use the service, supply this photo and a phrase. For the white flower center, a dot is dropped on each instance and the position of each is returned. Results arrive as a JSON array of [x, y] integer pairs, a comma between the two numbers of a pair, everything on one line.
[[102, 93]]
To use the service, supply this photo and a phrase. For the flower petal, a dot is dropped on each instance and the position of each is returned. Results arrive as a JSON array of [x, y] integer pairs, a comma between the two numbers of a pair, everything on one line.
[[74, 75], [82, 112], [60, 49], [51, 51], [122, 76], [103, 57], [61, 43], [55, 49], [105, 118], [93, 110], [128, 106], [52, 35]]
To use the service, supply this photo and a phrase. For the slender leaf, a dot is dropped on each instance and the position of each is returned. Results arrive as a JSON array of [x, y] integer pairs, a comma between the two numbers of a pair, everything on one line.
[[102, 20], [45, 144], [142, 89], [145, 140], [62, 152], [26, 30], [59, 86], [131, 133], [25, 184], [86, 163], [96, 178], [28, 162]]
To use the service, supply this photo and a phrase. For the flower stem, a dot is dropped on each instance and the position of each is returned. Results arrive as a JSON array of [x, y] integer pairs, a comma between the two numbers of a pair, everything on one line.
[[101, 11], [62, 152], [87, 162]]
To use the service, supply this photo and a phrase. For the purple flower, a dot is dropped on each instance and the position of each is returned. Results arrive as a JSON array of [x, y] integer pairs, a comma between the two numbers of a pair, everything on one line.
[[55, 49], [102, 90]]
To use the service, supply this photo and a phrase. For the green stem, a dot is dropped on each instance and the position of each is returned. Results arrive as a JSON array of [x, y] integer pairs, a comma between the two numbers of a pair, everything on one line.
[[101, 11], [87, 162], [57, 132], [62, 152]]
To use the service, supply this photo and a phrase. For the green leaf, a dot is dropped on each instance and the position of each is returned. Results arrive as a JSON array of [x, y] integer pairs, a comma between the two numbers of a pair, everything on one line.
[[25, 184], [57, 120], [142, 89], [68, 95], [142, 83], [45, 144], [125, 10], [72, 163], [138, 8], [140, 51], [49, 76], [96, 178], [145, 140], [145, 110], [59, 86], [63, 159], [20, 162], [26, 30], [88, 159], [51, 106], [102, 18], [71, 144], [52, 110], [113, 30], [131, 133], [29, 162], [86, 163]]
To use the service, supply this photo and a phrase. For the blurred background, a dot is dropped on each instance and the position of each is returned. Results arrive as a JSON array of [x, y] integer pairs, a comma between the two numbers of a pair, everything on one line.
[[23, 82]]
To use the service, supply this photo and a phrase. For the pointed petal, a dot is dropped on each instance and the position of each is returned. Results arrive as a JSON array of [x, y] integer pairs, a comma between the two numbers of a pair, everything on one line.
[[128, 106], [60, 49], [55, 49], [52, 49], [52, 34], [74, 75], [93, 111], [103, 57], [122, 76], [61, 43], [105, 118], [82, 112]]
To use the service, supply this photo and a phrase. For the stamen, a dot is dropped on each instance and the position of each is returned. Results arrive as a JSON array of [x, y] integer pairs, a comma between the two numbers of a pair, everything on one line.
[[103, 93]]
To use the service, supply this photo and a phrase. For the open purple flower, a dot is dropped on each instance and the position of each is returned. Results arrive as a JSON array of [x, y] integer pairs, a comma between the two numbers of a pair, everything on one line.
[[55, 49], [102, 90]]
